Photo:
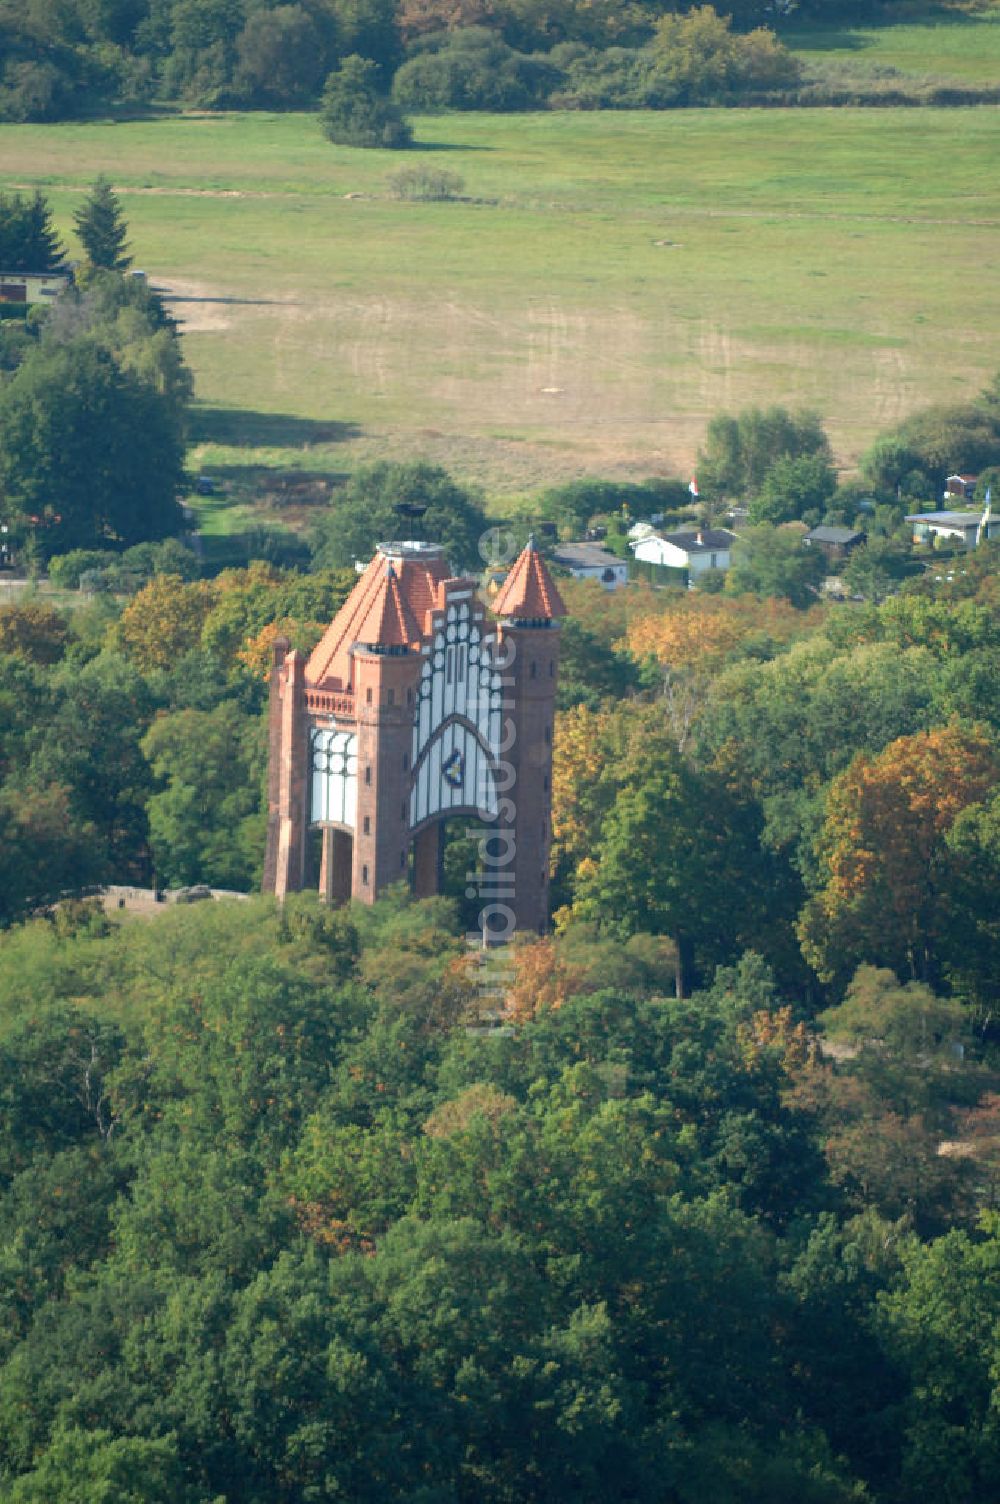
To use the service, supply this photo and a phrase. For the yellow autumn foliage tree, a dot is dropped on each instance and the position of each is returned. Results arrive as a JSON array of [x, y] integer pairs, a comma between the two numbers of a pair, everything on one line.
[[164, 621], [257, 653], [699, 630], [883, 848]]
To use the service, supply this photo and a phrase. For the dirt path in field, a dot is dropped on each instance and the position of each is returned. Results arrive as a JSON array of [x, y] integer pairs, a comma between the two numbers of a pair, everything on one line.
[[689, 211]]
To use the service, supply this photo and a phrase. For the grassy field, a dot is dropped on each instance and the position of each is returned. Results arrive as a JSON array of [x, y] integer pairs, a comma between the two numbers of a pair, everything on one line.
[[608, 283], [947, 42]]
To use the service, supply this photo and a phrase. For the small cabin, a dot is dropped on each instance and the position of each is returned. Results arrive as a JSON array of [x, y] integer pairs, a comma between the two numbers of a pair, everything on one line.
[[961, 487], [589, 561], [23, 289], [835, 542]]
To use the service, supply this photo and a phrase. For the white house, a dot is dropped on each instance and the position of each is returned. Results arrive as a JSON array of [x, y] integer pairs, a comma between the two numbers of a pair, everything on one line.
[[589, 561], [693, 549], [953, 527]]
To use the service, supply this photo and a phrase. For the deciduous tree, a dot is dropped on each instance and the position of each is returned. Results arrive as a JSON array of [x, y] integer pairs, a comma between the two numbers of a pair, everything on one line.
[[364, 512], [740, 451], [884, 855], [88, 454], [205, 824], [355, 111], [774, 561], [669, 846]]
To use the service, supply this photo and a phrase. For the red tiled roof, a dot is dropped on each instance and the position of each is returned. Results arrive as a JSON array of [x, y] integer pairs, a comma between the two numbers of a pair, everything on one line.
[[388, 622], [529, 592], [414, 593]]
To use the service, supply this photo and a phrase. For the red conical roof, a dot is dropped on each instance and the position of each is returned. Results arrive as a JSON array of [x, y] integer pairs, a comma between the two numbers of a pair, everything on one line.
[[418, 577], [388, 622], [529, 592]]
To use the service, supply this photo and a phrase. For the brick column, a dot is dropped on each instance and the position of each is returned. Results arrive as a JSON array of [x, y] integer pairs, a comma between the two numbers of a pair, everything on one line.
[[292, 779], [385, 695], [280, 648]]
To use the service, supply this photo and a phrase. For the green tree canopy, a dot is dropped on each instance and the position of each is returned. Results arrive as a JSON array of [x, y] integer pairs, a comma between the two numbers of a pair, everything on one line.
[[739, 451], [205, 825], [669, 845], [364, 513], [774, 561], [792, 485], [281, 56], [355, 111], [89, 454], [914, 460]]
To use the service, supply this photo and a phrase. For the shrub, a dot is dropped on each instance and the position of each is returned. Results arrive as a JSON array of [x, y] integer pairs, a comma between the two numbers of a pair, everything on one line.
[[425, 183], [170, 556], [67, 570], [94, 569]]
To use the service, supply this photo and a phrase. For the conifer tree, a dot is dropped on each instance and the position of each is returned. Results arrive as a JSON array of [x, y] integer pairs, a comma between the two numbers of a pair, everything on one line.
[[102, 228], [28, 243]]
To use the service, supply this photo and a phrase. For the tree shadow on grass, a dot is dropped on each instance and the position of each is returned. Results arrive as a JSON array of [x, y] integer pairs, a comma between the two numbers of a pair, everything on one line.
[[827, 41], [244, 429], [421, 146], [266, 483], [823, 39], [165, 296]]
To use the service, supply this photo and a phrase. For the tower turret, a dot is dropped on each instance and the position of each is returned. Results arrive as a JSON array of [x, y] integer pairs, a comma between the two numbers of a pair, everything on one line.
[[529, 608]]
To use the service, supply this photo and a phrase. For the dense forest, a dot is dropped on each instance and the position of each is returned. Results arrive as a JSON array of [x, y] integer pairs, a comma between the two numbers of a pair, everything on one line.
[[278, 1224], [60, 58]]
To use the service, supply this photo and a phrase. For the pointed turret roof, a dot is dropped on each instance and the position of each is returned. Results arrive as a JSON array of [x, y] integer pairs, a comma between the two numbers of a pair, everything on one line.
[[387, 612], [388, 622], [529, 592]]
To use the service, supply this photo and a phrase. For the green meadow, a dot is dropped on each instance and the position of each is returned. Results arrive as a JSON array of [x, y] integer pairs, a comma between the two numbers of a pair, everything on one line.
[[606, 283]]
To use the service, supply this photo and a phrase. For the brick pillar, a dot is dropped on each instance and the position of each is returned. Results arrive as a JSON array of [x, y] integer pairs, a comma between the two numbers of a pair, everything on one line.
[[385, 694], [280, 648], [428, 852], [529, 657], [292, 778]]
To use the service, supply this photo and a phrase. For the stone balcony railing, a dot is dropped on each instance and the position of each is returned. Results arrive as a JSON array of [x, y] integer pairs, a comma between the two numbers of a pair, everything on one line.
[[329, 702]]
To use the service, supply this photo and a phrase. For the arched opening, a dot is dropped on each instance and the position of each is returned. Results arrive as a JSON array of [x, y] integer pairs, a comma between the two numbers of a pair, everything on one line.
[[453, 857]]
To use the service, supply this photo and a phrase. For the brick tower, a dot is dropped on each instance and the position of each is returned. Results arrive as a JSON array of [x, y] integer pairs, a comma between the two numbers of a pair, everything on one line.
[[414, 708]]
